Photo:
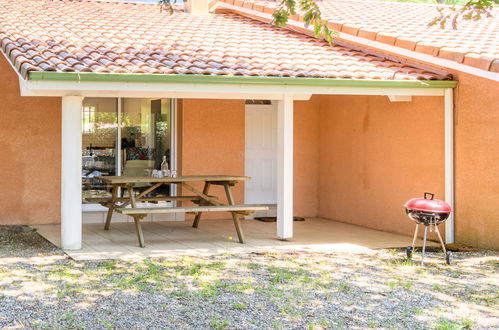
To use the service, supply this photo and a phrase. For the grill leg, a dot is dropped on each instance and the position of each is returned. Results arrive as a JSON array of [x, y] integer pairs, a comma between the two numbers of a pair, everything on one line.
[[424, 245], [441, 240], [415, 236]]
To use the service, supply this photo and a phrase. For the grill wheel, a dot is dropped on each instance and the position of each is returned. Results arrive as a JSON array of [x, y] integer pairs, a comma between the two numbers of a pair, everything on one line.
[[408, 252]]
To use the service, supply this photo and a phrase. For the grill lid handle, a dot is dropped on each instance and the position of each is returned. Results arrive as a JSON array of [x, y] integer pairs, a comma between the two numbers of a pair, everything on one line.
[[427, 193]]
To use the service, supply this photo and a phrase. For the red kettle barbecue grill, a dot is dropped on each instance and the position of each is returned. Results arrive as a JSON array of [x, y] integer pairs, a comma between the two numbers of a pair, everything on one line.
[[429, 212]]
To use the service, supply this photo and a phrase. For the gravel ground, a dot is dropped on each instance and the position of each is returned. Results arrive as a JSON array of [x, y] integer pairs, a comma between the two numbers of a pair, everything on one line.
[[42, 288]]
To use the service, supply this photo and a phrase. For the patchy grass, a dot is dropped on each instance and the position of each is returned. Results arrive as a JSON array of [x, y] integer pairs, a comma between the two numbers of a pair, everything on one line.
[[219, 323], [399, 283], [256, 291], [240, 306], [445, 324]]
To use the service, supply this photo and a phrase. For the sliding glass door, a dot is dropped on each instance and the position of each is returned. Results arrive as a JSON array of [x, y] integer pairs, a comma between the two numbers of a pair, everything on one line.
[[146, 138], [99, 129], [124, 136]]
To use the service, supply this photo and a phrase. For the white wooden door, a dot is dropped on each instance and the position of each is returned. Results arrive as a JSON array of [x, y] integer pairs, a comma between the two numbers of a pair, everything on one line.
[[261, 154]]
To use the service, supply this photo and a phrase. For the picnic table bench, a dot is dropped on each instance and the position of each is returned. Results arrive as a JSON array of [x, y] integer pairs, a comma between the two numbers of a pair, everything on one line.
[[206, 203]]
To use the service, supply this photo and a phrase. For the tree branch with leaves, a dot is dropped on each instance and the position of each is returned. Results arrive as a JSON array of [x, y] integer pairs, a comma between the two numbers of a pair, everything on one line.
[[473, 10], [311, 16]]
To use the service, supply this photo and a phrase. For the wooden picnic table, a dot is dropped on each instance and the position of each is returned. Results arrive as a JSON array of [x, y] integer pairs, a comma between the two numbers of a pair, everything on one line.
[[205, 202]]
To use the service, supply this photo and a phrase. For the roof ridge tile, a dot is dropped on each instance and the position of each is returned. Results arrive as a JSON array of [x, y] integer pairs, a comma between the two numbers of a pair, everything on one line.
[[358, 18]]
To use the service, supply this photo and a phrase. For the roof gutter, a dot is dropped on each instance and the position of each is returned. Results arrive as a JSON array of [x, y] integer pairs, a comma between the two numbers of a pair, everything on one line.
[[233, 80]]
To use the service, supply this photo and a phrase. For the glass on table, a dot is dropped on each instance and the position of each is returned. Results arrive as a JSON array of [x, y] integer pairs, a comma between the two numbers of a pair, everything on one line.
[[157, 174]]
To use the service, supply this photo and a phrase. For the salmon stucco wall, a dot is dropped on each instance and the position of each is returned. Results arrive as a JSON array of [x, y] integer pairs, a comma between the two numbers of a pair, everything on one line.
[[375, 155], [477, 161], [29, 154], [211, 141], [306, 157]]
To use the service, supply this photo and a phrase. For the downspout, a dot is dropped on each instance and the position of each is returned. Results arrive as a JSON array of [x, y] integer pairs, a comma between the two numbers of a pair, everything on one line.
[[449, 161]]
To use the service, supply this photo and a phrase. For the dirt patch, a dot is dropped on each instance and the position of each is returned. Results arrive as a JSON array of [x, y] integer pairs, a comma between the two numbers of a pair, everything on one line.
[[24, 242]]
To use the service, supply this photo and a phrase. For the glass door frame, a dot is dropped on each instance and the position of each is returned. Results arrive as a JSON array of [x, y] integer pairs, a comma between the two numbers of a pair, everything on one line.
[[173, 146]]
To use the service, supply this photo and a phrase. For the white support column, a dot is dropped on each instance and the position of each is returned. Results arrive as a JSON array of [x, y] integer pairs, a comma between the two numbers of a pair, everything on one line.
[[118, 137], [449, 161], [71, 225], [285, 167]]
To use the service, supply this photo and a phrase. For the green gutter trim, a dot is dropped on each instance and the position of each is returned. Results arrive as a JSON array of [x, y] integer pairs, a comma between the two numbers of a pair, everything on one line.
[[233, 80]]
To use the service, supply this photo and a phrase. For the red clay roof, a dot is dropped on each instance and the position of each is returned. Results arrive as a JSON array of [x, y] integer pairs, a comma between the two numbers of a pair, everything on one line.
[[117, 37], [402, 24]]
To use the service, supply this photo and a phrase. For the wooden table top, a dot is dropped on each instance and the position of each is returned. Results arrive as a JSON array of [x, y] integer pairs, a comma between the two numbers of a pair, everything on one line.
[[180, 179]]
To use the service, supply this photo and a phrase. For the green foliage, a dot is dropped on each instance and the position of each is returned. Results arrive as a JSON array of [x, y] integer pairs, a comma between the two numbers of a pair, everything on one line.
[[446, 2], [472, 10], [310, 9], [311, 15], [166, 5], [469, 10]]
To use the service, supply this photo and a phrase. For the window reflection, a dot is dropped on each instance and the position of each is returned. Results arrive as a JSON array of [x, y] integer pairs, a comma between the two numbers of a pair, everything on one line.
[[99, 127], [145, 137]]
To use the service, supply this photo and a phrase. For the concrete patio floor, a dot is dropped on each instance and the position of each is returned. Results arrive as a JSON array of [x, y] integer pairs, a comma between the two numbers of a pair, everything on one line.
[[167, 239]]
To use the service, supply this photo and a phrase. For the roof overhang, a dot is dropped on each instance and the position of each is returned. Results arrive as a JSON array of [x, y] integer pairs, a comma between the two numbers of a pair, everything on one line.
[[224, 87]]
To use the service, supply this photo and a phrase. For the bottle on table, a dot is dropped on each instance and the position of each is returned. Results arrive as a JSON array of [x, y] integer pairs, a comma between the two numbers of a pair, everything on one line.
[[164, 168]]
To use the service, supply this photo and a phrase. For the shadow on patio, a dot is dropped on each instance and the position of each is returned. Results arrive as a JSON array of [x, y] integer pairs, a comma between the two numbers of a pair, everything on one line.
[[167, 239]]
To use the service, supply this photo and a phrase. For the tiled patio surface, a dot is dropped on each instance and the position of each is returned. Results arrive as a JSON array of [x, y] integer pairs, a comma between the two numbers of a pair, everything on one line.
[[167, 239]]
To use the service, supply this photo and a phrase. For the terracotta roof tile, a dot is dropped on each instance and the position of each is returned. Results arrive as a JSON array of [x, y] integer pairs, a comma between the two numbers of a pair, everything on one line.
[[427, 48], [452, 53], [406, 43], [406, 25], [367, 34], [387, 38], [494, 67], [482, 61], [120, 37]]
